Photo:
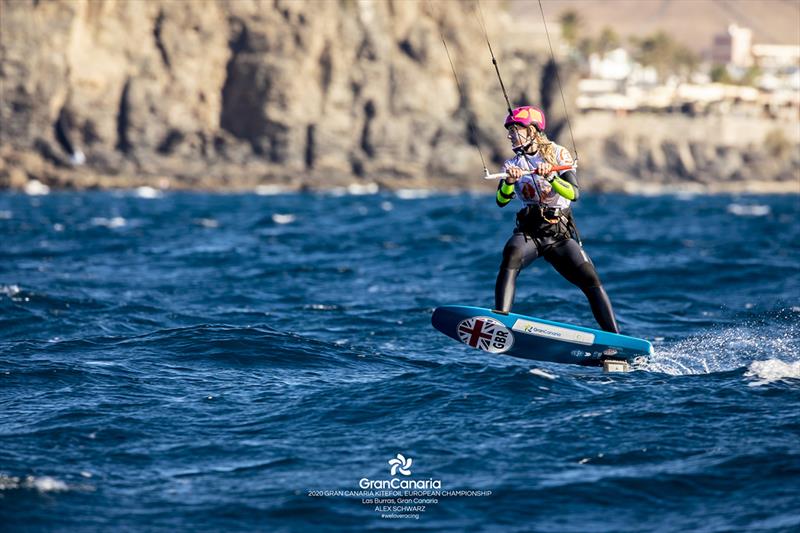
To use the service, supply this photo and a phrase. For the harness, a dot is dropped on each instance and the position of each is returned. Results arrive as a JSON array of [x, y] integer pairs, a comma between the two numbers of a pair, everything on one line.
[[543, 223], [547, 223]]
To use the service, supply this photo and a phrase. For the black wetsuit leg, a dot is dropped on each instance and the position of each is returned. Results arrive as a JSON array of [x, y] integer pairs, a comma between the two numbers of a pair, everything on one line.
[[519, 252], [569, 259]]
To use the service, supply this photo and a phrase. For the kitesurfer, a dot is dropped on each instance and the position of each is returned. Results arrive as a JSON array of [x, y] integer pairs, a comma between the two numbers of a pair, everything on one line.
[[545, 227]]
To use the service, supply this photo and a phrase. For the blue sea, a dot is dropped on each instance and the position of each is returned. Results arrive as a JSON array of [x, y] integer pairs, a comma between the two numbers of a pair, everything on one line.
[[210, 362]]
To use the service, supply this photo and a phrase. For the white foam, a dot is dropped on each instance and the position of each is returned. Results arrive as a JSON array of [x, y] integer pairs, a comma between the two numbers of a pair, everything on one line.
[[148, 192], [270, 190], [46, 484], [9, 290], [542, 374], [772, 370], [40, 483], [413, 194], [359, 189], [207, 222], [722, 350], [279, 218], [5, 215], [321, 307], [36, 188], [8, 482], [743, 210], [114, 222]]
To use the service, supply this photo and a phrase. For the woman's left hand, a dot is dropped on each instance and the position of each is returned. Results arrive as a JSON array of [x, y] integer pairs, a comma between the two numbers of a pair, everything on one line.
[[543, 169]]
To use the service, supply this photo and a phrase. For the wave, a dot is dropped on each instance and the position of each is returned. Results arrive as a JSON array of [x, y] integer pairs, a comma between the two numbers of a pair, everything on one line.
[[237, 346]]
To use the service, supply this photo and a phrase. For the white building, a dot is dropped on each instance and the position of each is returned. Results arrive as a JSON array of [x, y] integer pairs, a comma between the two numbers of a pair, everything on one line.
[[614, 65], [619, 65], [733, 47], [776, 56]]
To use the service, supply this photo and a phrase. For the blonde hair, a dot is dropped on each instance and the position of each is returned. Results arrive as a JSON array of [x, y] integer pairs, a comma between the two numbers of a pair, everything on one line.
[[545, 147]]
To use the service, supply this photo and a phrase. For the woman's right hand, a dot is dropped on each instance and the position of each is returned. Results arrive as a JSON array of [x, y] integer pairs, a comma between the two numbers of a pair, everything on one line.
[[514, 174]]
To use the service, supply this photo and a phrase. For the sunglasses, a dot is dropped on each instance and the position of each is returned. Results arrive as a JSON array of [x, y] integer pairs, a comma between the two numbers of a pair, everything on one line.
[[515, 132]]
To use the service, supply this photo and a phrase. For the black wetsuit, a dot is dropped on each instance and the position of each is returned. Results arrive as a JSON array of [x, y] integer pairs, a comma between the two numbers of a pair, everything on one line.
[[536, 236]]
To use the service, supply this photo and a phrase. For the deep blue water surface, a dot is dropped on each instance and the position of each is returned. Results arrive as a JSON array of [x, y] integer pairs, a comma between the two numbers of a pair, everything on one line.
[[199, 362]]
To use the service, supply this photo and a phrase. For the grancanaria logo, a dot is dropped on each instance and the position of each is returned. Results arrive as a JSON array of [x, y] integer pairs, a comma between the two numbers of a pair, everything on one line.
[[401, 464]]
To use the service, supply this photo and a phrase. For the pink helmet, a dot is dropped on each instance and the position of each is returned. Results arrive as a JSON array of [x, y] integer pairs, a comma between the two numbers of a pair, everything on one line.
[[526, 115]]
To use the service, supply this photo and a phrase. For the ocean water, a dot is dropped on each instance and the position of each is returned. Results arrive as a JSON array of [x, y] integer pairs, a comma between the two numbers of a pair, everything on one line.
[[200, 362]]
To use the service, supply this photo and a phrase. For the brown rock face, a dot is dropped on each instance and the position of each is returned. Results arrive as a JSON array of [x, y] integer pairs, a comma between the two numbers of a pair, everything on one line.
[[122, 81], [649, 152], [232, 94]]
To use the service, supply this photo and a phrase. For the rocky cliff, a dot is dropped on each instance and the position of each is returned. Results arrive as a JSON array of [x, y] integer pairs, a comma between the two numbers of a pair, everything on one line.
[[716, 153], [235, 94]]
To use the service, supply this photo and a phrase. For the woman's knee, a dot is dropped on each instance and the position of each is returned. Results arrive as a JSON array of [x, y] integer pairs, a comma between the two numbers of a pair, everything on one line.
[[513, 256], [587, 276]]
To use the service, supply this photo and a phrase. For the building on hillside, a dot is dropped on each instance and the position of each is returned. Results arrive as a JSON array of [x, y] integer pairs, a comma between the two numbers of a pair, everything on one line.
[[614, 65], [733, 47], [616, 82], [776, 56], [619, 65]]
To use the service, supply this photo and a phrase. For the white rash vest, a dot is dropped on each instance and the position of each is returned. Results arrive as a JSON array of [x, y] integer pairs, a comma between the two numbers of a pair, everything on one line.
[[528, 191]]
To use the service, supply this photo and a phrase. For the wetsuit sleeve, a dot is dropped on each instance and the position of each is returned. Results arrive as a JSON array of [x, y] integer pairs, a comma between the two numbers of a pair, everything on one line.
[[567, 185], [505, 193]]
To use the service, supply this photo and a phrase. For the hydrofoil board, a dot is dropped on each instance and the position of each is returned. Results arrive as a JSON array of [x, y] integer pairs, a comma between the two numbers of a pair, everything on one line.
[[535, 338]]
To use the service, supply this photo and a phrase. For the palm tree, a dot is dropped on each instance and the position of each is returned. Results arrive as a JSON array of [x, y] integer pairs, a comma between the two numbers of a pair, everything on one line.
[[570, 21]]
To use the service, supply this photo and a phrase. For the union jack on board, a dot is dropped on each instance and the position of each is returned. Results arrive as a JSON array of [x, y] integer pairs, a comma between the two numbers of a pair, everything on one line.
[[485, 334]]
